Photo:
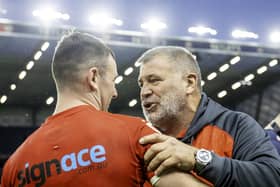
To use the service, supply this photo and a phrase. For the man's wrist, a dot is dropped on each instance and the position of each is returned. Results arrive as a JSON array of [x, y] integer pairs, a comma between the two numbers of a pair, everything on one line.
[[202, 158]]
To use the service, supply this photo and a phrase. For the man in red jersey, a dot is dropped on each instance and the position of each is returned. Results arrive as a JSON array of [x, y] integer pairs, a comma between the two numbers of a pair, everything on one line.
[[81, 144]]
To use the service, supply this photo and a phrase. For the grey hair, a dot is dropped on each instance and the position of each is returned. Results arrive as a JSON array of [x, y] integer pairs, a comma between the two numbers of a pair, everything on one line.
[[182, 59]]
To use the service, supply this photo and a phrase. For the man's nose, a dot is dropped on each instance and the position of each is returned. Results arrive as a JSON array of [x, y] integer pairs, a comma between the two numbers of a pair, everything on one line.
[[145, 92], [115, 94]]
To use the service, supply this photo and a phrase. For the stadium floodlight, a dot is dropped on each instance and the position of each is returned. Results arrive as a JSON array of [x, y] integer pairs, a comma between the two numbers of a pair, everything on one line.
[[262, 69], [49, 14], [104, 20], [3, 11], [128, 71], [132, 103], [153, 25], [3, 99], [45, 46], [22, 75], [212, 76], [137, 64], [235, 60], [224, 67], [13, 86], [65, 16], [194, 56], [273, 62], [244, 34], [202, 83], [222, 94], [275, 37], [236, 85], [29, 65], [50, 100], [201, 30], [37, 55], [249, 77], [118, 79]]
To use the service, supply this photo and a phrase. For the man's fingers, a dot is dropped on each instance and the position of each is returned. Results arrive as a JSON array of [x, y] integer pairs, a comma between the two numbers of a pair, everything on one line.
[[153, 151], [153, 138], [165, 165], [157, 160]]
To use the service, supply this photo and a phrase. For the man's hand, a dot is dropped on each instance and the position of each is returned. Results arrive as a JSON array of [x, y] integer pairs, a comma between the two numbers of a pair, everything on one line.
[[167, 153]]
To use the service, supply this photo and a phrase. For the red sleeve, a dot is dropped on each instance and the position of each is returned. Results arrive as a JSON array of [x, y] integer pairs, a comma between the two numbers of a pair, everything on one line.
[[138, 128], [147, 184], [5, 176], [145, 129]]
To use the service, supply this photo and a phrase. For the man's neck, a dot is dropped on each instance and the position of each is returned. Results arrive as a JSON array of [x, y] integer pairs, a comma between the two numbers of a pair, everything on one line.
[[170, 128], [68, 100], [173, 127]]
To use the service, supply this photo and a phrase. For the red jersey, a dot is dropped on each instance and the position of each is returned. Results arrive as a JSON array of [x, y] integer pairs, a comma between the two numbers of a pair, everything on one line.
[[81, 147]]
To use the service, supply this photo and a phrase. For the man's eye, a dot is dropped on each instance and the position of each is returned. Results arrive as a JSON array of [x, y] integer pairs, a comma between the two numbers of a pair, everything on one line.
[[154, 80]]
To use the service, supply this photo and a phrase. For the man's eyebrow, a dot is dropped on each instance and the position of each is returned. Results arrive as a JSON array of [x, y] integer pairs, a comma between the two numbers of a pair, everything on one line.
[[148, 77], [152, 75]]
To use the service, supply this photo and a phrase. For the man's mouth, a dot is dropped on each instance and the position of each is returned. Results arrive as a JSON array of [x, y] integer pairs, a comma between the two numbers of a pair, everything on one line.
[[149, 106]]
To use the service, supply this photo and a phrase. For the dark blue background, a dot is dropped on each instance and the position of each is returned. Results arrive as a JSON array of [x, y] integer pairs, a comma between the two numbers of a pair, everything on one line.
[[258, 16]]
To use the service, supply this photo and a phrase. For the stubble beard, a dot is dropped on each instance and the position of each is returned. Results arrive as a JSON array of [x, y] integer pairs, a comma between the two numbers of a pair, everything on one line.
[[167, 111]]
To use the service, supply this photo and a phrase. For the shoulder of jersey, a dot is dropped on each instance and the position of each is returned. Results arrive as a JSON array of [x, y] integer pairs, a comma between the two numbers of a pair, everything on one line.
[[127, 118], [134, 119]]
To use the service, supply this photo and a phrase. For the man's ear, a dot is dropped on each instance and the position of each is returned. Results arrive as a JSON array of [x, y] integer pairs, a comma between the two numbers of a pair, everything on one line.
[[92, 78], [191, 82]]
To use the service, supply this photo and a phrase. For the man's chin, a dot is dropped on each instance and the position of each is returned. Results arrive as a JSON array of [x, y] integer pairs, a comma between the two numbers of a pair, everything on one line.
[[154, 120], [152, 116]]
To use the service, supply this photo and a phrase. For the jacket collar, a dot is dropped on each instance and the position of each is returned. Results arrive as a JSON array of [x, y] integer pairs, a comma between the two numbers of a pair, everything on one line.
[[207, 111]]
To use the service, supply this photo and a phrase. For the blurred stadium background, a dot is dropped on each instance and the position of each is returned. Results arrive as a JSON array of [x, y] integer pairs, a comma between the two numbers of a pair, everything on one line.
[[237, 44]]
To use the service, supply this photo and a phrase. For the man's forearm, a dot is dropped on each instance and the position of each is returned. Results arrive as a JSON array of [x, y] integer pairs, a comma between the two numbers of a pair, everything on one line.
[[179, 179]]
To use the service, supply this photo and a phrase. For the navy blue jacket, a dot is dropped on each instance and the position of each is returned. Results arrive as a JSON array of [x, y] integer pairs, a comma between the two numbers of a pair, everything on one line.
[[243, 153]]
